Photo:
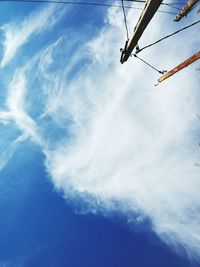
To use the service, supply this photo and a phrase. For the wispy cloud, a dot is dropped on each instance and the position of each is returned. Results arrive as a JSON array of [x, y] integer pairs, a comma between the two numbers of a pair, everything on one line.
[[16, 116], [16, 105], [7, 154], [127, 144], [134, 143], [17, 34]]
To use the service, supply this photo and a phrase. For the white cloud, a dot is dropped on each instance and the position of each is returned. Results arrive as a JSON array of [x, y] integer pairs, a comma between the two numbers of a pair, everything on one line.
[[133, 142], [7, 154], [16, 104], [17, 114], [16, 35], [132, 146]]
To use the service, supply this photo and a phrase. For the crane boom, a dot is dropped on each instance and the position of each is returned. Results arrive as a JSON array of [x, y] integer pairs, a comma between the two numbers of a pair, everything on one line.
[[147, 14], [180, 67]]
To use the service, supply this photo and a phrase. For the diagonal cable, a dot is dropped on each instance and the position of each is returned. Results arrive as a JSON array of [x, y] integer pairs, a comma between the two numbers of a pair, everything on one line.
[[148, 64], [167, 36], [125, 20]]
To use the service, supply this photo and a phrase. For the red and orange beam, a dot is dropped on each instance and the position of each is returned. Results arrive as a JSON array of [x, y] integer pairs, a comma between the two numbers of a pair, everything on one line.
[[181, 66]]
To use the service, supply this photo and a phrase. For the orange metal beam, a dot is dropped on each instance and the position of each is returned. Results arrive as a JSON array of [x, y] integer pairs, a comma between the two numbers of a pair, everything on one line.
[[180, 67]]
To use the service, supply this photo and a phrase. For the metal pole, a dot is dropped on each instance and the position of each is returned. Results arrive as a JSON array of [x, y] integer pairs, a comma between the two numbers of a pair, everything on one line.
[[180, 67], [185, 9], [148, 12]]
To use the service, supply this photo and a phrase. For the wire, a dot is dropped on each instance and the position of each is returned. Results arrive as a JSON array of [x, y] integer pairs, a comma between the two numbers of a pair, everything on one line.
[[148, 64], [125, 21], [167, 36], [165, 4], [169, 5], [66, 2], [144, 1], [180, 3], [79, 3], [172, 5]]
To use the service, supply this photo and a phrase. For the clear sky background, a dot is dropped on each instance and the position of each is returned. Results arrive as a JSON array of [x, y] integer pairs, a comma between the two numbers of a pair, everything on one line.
[[98, 167]]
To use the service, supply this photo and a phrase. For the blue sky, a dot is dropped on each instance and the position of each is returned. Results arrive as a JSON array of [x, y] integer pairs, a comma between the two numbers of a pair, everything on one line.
[[98, 167]]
